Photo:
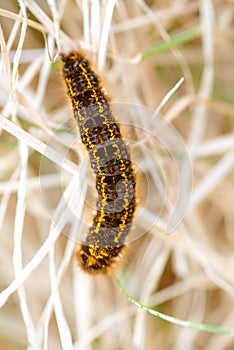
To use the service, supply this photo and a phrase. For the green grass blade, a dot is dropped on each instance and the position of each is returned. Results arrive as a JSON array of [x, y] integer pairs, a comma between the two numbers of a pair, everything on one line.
[[175, 41], [198, 326]]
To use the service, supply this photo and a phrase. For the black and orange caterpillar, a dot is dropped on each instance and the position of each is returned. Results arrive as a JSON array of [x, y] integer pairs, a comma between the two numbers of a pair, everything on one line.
[[110, 160]]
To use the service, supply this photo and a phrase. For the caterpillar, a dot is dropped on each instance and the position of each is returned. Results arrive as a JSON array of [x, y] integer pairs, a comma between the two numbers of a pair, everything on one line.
[[110, 161]]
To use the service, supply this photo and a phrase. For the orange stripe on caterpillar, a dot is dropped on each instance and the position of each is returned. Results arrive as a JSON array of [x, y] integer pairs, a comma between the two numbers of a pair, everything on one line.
[[110, 160]]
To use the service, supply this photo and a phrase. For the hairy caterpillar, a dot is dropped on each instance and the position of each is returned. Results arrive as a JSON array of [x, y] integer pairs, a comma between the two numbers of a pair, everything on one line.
[[110, 161]]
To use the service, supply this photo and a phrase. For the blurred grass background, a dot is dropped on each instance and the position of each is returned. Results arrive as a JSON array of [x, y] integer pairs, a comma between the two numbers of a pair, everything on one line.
[[188, 274]]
